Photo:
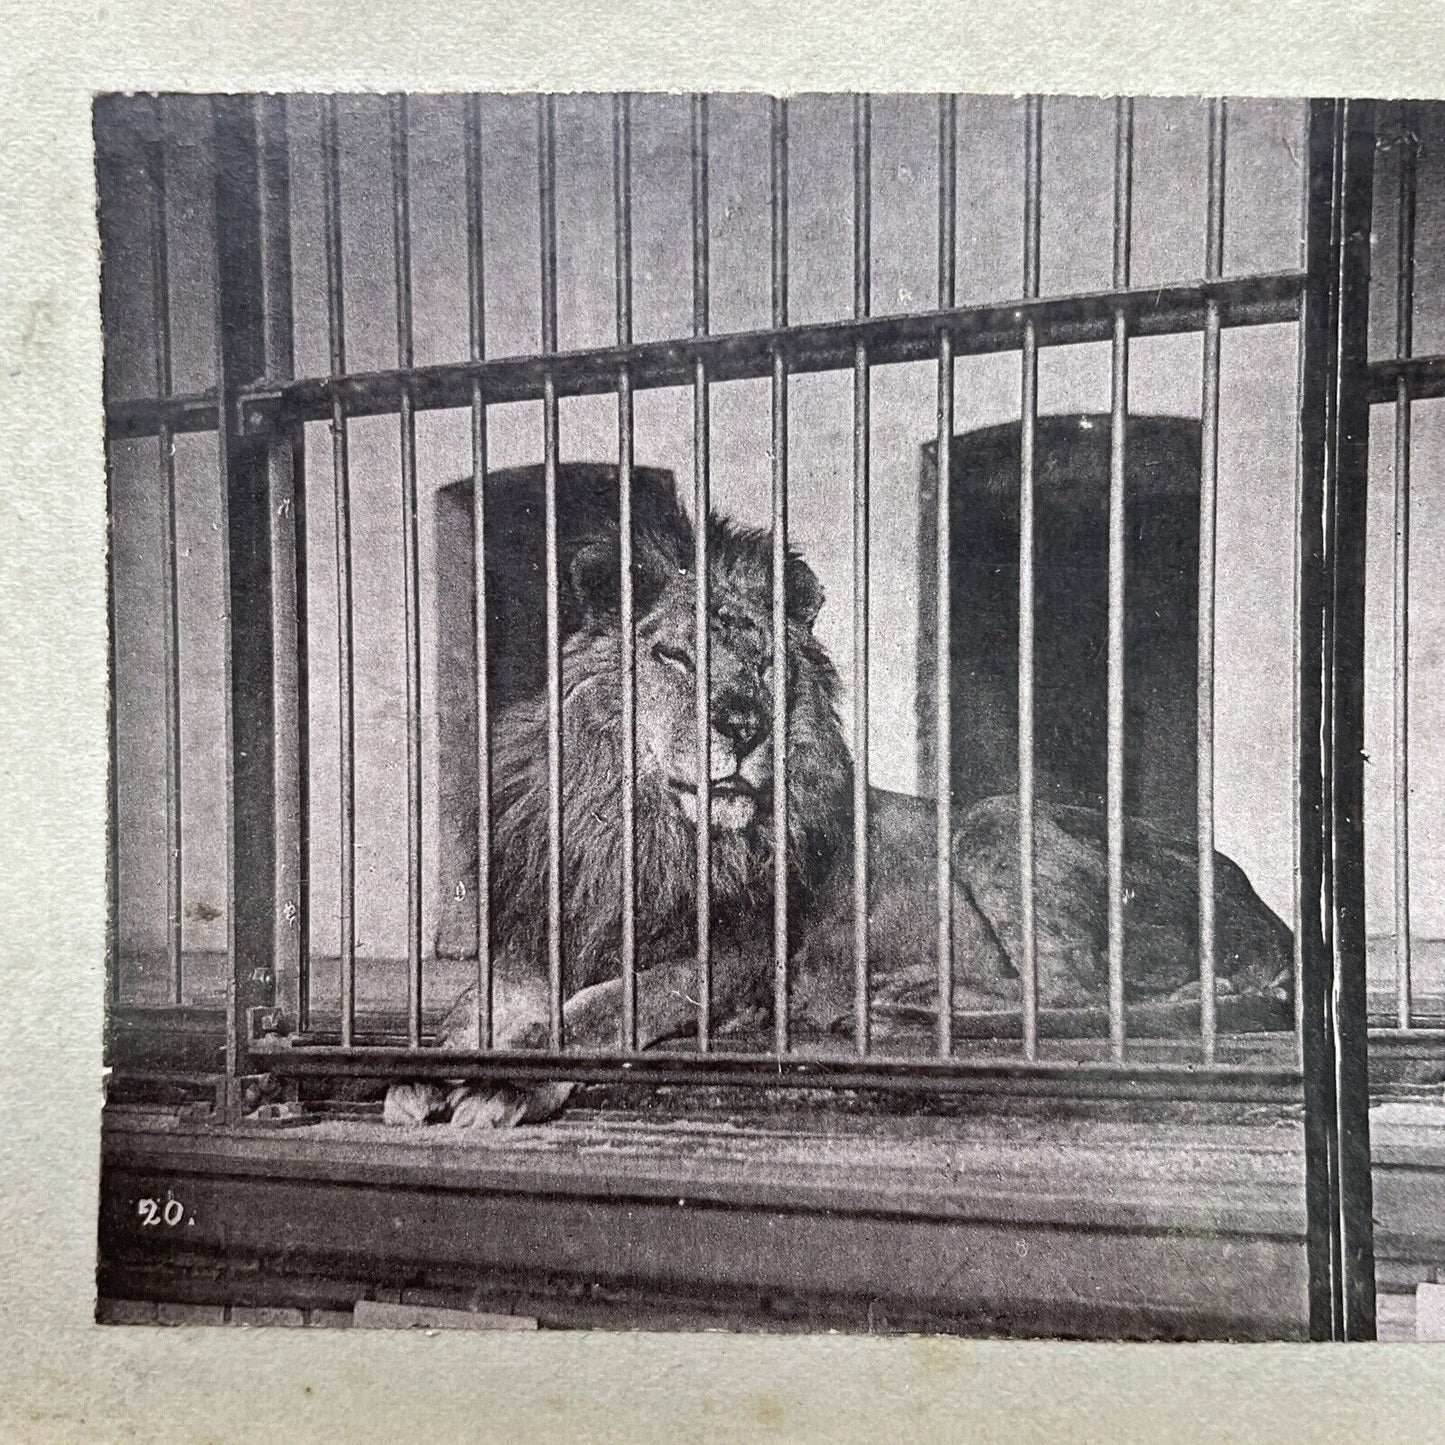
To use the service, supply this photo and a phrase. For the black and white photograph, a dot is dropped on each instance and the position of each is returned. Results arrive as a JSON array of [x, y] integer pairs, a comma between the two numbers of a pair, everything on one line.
[[775, 714]]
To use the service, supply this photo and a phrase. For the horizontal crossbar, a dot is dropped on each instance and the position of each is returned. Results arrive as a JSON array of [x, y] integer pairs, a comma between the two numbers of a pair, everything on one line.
[[1140, 1080], [1424, 378], [829, 346], [826, 346], [145, 416]]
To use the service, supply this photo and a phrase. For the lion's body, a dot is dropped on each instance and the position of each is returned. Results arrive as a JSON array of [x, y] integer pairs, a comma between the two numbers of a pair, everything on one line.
[[903, 929]]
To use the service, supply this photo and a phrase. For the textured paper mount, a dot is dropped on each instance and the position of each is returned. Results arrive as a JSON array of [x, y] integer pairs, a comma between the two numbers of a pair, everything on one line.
[[63, 1378]]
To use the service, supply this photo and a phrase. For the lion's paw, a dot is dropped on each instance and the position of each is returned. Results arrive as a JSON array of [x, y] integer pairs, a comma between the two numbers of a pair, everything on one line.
[[473, 1108], [544, 1101], [502, 1107], [408, 1105]]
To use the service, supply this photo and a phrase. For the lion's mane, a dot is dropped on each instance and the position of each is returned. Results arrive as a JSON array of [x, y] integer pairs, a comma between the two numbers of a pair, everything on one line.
[[819, 796]]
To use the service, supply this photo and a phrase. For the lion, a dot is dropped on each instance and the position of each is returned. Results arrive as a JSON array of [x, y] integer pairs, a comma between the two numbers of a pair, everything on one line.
[[1253, 946]]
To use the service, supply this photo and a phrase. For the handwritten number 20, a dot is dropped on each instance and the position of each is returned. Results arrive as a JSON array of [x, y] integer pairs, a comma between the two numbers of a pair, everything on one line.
[[154, 1212]]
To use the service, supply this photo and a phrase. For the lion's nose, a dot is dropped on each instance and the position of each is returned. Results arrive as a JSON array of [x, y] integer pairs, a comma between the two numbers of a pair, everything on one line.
[[740, 720]]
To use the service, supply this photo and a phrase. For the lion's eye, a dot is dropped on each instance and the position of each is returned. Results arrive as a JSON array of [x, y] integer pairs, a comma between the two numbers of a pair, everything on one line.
[[673, 657]]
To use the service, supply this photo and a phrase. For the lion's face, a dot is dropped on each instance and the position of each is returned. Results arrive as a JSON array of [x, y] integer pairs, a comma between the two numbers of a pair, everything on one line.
[[740, 703], [740, 695]]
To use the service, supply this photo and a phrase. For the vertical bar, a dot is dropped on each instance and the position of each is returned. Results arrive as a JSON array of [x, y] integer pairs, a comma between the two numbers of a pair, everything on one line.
[[111, 165], [287, 465], [779, 199], [250, 309], [1406, 155], [701, 511], [1346, 617], [1319, 360], [547, 198], [622, 228], [411, 565], [341, 486], [477, 329], [155, 167], [1029, 406], [943, 561], [1208, 516], [1334, 421], [862, 306], [112, 721], [1298, 689], [1118, 442]]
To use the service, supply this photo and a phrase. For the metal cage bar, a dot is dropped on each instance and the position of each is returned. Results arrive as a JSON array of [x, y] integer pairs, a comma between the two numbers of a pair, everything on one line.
[[778, 188], [1118, 482], [701, 511], [114, 997], [1257, 300], [1208, 517], [547, 201], [110, 171], [1334, 423], [943, 565], [127, 418], [1265, 299], [862, 304], [291, 924], [1424, 377], [251, 279], [157, 215], [622, 280], [341, 491], [1062, 1078], [477, 339], [411, 564], [1297, 648], [1029, 406], [1407, 151]]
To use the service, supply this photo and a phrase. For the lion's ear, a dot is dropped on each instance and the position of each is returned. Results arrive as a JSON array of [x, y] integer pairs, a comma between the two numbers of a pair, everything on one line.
[[592, 572], [805, 592], [595, 574]]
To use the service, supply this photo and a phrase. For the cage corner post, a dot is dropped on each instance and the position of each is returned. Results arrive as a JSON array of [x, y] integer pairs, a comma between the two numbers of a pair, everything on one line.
[[1334, 424], [252, 289]]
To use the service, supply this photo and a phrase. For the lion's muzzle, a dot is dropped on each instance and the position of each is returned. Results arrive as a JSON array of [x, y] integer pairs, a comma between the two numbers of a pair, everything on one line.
[[733, 801]]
